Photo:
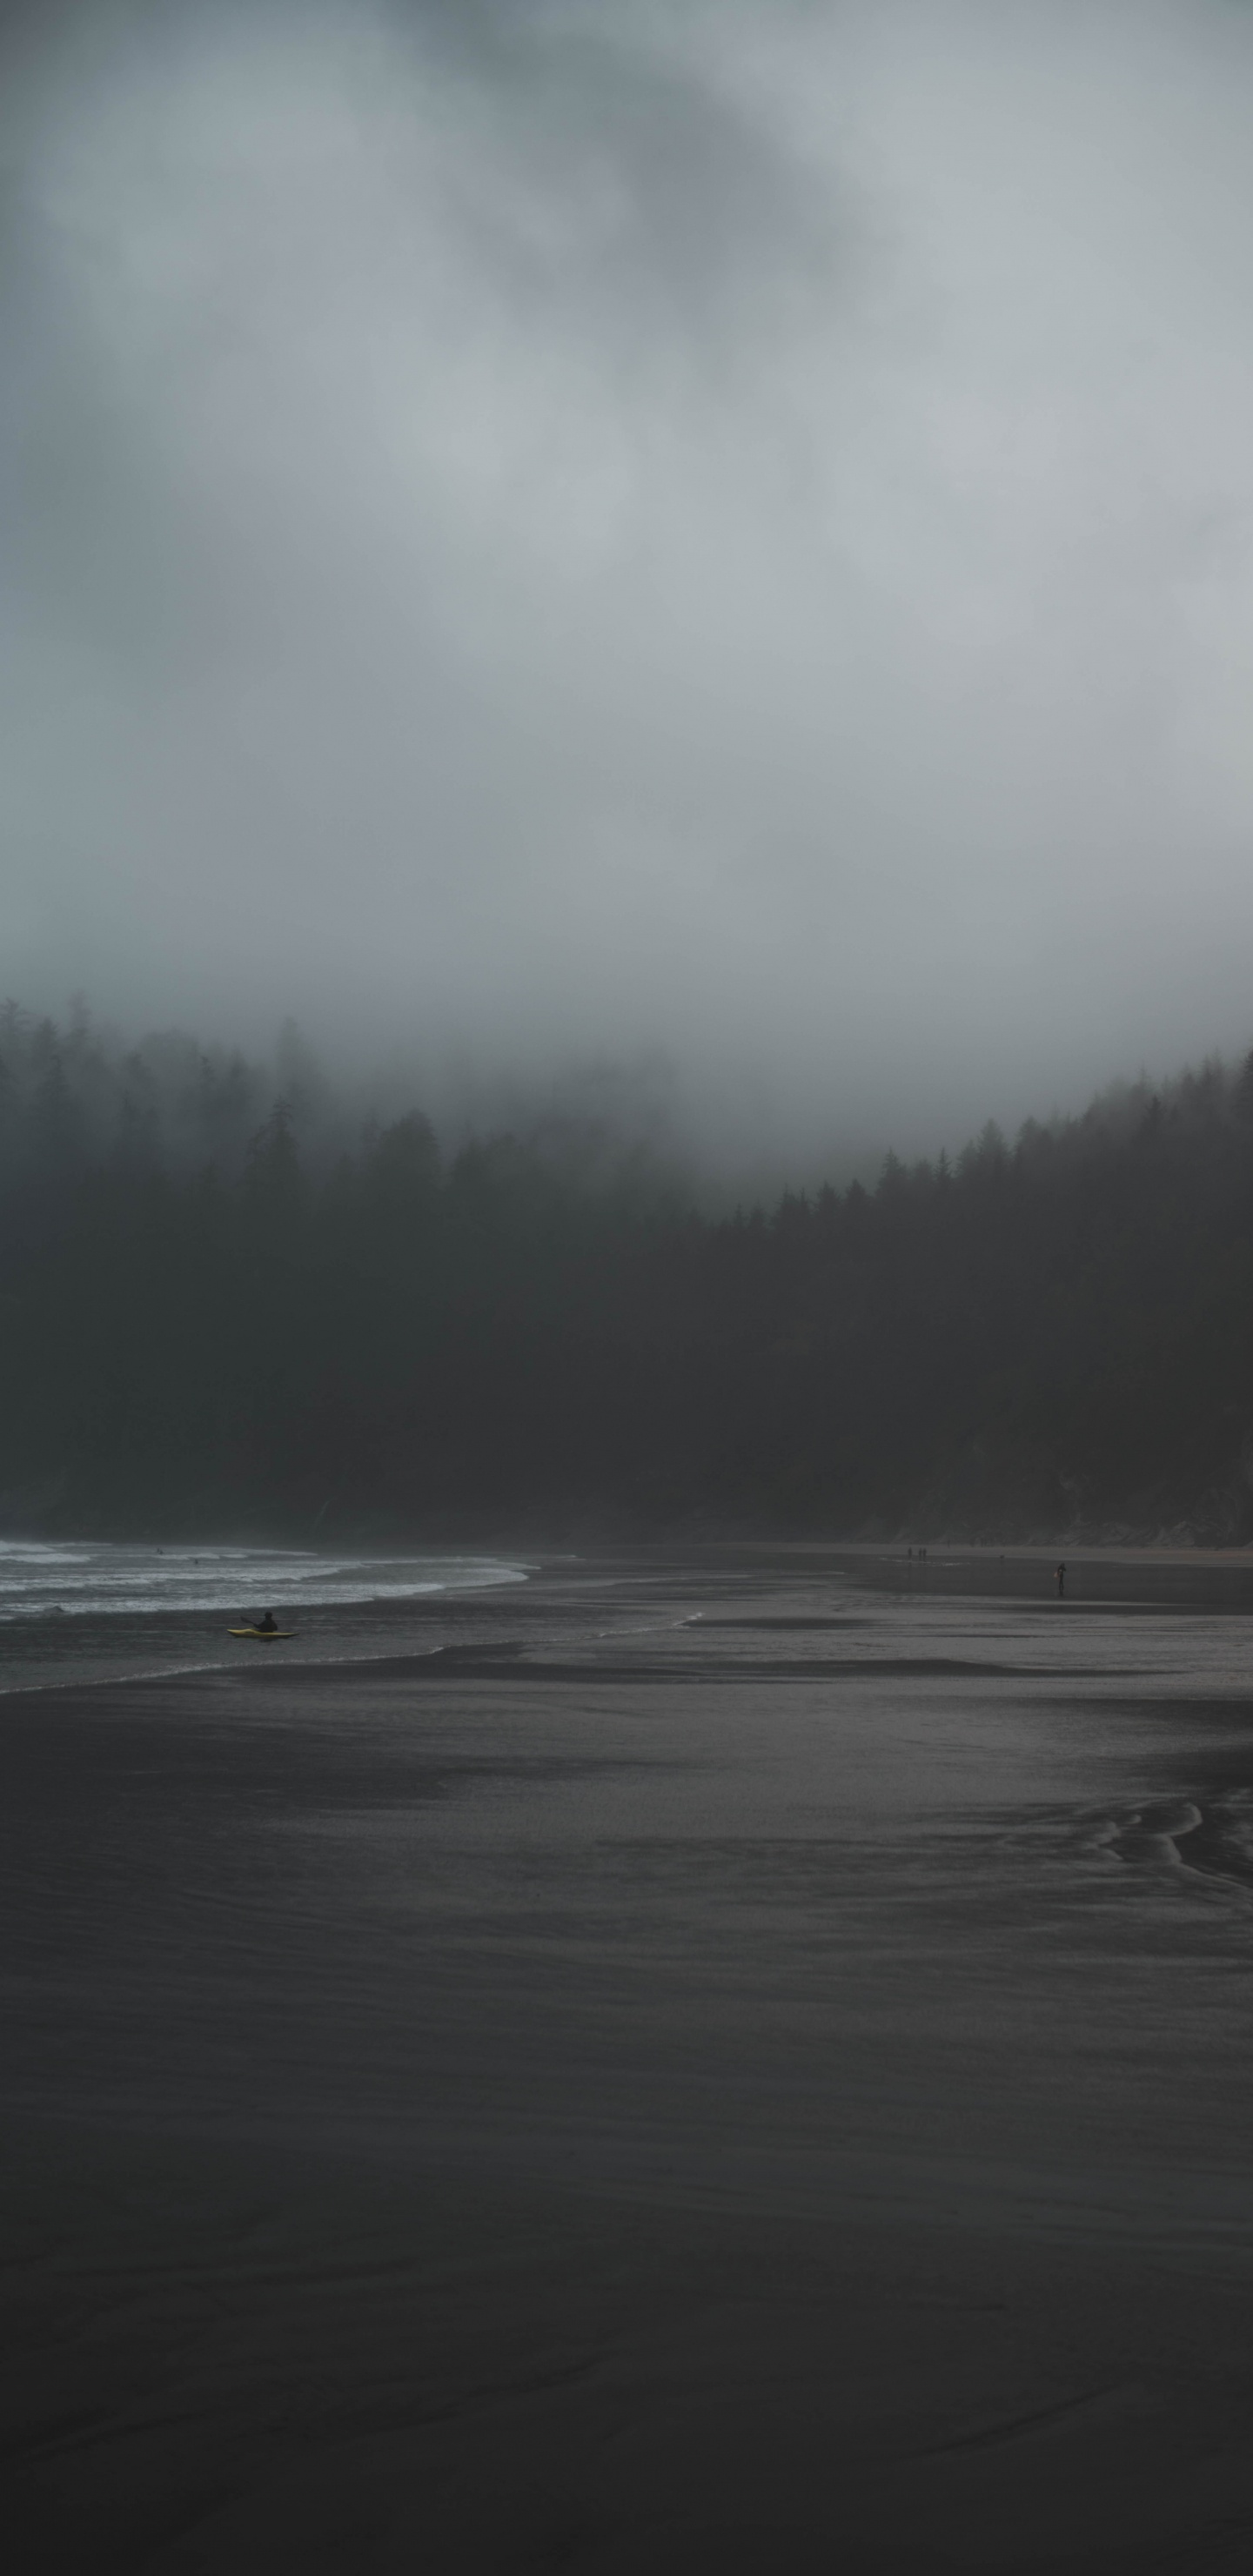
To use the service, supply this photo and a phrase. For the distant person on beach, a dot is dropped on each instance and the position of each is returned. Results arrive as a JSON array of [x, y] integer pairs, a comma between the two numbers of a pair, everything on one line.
[[267, 1627], [1061, 1581]]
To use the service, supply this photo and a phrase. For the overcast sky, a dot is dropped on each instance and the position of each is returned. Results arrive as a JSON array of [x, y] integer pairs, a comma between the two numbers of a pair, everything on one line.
[[542, 531]]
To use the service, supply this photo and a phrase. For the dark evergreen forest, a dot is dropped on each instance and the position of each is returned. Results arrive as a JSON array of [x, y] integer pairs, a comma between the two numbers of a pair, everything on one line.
[[225, 1310]]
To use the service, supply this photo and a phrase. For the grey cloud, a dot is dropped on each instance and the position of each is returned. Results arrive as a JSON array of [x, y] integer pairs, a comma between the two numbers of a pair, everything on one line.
[[664, 207], [721, 531]]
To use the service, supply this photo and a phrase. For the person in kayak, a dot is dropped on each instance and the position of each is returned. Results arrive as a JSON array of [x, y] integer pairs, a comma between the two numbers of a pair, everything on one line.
[[267, 1627]]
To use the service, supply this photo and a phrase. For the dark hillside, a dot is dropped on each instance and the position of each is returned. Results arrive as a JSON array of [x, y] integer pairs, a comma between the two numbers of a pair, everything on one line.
[[214, 1310]]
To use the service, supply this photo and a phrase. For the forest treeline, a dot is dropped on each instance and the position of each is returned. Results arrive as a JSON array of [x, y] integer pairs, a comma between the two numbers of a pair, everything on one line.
[[225, 1308]]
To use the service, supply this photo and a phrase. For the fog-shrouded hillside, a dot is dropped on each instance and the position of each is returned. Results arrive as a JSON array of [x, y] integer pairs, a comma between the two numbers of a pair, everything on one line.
[[228, 1302]]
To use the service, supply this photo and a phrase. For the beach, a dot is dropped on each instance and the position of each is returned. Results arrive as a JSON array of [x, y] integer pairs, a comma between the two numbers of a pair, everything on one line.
[[720, 2058]]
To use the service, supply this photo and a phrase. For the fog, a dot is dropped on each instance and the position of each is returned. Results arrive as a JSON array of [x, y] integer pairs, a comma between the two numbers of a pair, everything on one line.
[[712, 537]]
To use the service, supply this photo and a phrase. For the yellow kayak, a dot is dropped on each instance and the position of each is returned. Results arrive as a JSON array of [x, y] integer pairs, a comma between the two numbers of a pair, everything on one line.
[[265, 1634]]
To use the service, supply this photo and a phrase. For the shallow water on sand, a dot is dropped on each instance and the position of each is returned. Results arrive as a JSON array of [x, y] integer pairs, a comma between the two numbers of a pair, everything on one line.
[[766, 1878], [715, 2065]]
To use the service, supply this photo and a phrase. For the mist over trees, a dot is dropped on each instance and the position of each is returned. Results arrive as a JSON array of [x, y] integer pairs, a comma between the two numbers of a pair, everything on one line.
[[227, 1302]]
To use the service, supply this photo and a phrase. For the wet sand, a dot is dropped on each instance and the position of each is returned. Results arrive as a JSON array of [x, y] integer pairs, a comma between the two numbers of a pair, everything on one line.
[[724, 2065]]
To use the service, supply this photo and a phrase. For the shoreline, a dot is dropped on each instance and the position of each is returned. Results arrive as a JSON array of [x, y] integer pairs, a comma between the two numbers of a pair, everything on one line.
[[1122, 1579]]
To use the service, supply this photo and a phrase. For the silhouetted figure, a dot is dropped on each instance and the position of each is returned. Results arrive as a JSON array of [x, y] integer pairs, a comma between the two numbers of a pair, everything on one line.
[[1061, 1581], [267, 1627]]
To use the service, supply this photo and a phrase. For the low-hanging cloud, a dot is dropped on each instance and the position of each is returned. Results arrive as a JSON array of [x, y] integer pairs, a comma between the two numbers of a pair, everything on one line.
[[541, 530]]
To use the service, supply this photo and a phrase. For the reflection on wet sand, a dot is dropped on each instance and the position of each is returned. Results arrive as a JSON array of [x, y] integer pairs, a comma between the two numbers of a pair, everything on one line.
[[620, 2089]]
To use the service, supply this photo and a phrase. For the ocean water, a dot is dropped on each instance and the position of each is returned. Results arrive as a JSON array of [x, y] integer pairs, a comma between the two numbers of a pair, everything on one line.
[[85, 1610]]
